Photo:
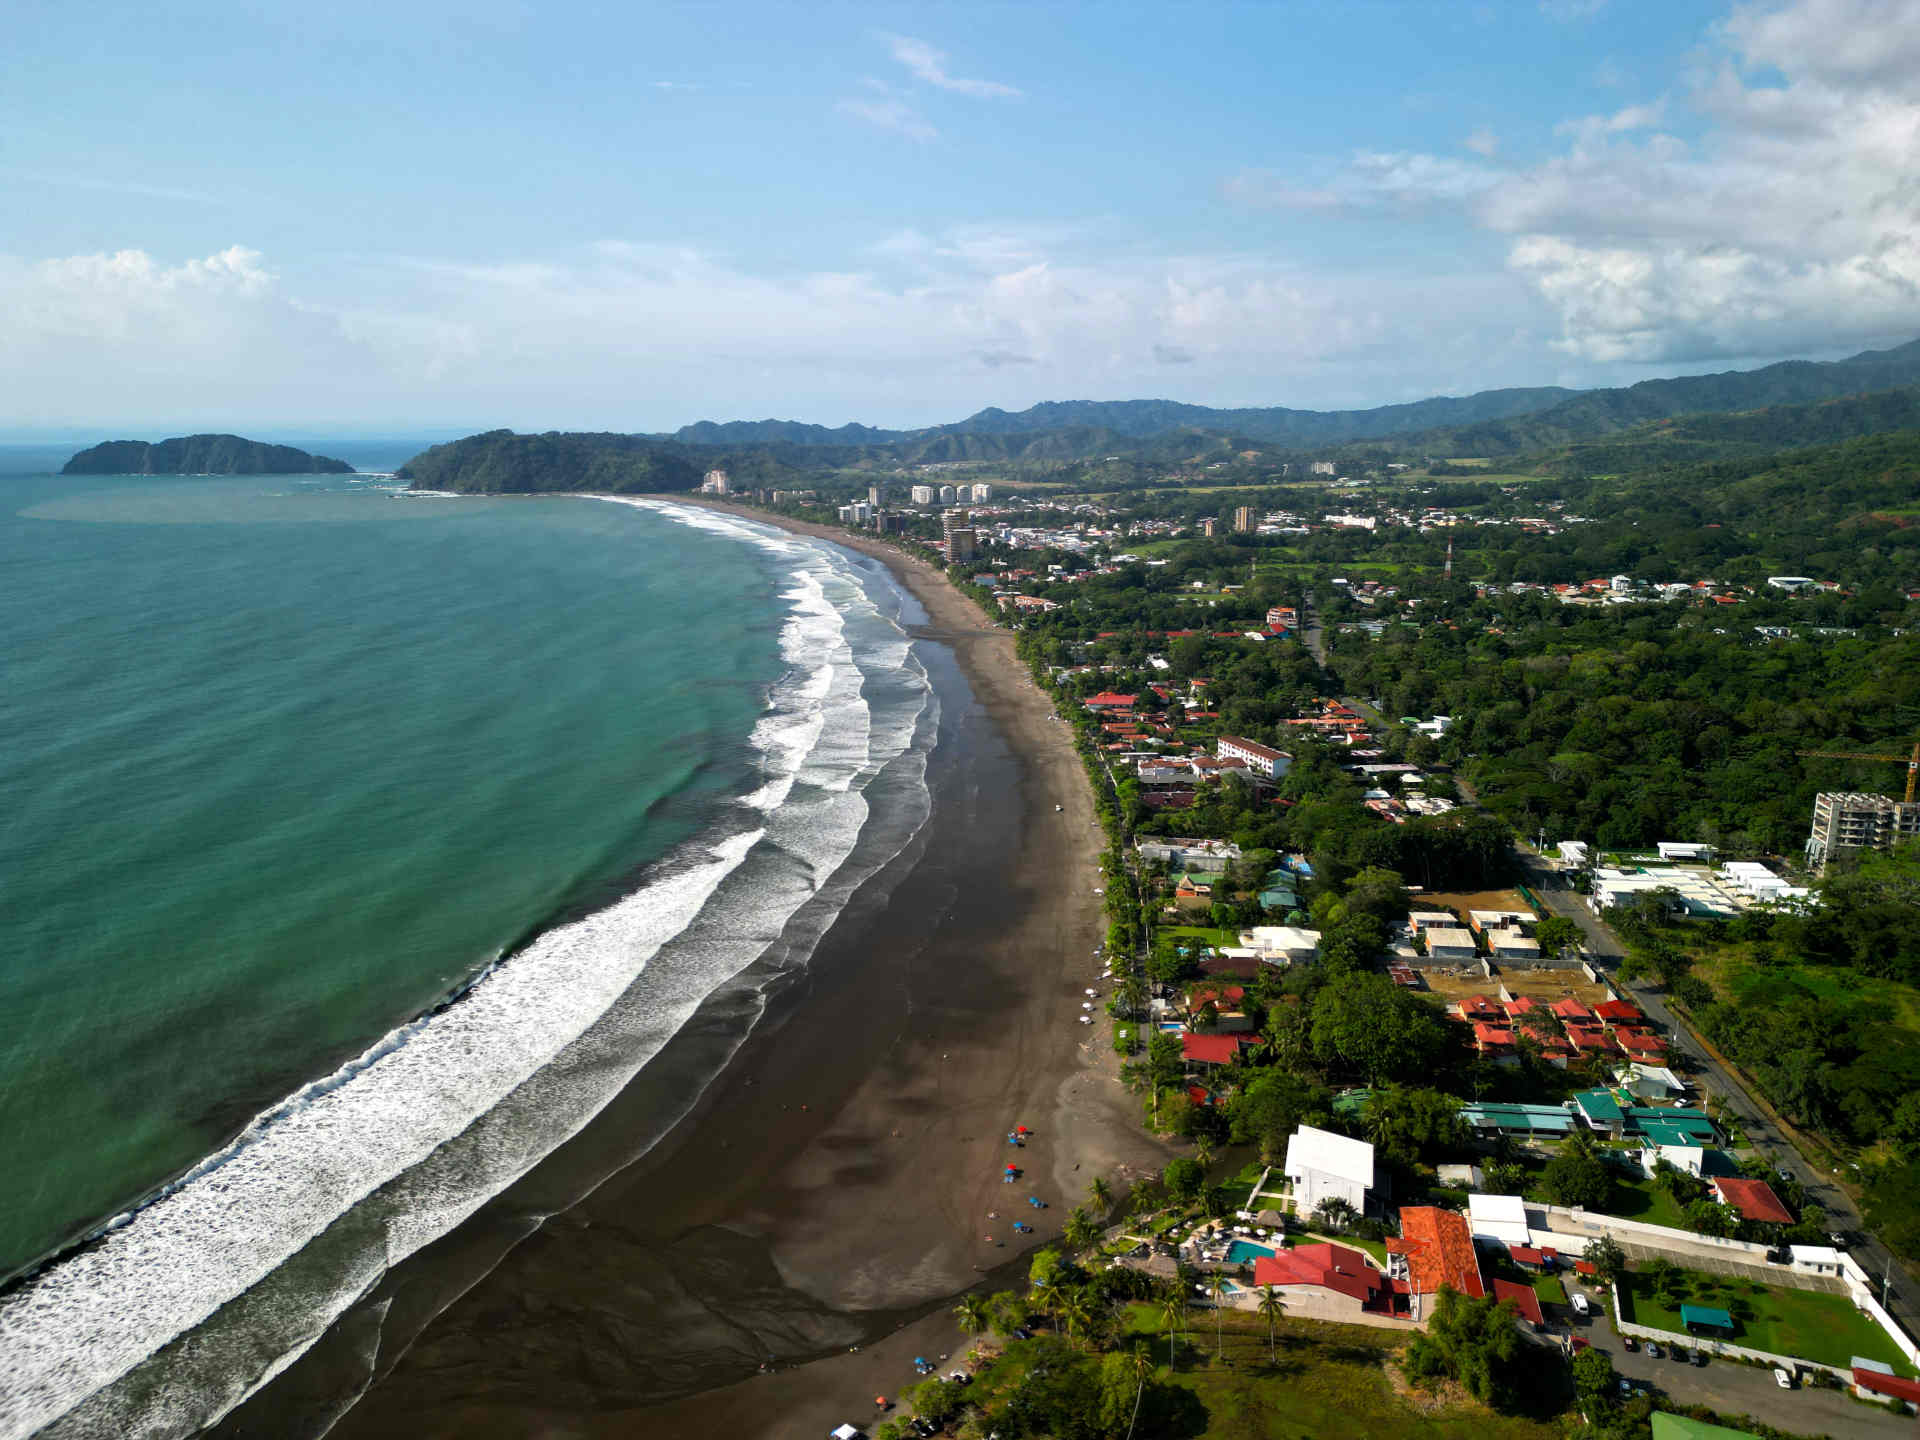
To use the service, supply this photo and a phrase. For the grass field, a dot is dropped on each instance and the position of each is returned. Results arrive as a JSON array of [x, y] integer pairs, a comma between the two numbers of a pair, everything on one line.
[[1327, 1382], [1208, 934], [1646, 1202], [1807, 1324]]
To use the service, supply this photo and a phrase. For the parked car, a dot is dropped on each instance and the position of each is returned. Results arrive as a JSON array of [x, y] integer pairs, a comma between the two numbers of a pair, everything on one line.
[[1699, 1357], [1654, 1352], [1679, 1355], [1782, 1378], [1629, 1342], [1580, 1305]]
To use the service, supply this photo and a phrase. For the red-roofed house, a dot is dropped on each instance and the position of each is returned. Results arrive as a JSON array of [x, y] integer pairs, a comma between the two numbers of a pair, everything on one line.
[[1437, 1246], [1571, 1009], [1494, 1041], [1873, 1383], [1524, 1301], [1639, 1045], [1329, 1282], [1479, 1007], [1210, 1049], [1619, 1012], [1108, 700], [1754, 1199]]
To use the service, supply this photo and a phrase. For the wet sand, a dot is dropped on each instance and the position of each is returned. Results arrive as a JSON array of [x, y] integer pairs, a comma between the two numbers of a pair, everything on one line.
[[833, 1185]]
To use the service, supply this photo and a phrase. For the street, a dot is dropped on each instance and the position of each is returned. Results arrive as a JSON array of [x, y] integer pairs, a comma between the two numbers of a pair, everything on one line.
[[1761, 1133]]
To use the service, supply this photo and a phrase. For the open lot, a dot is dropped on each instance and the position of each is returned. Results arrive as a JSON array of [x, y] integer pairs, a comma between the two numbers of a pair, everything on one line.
[[1543, 985], [1809, 1324], [1461, 901]]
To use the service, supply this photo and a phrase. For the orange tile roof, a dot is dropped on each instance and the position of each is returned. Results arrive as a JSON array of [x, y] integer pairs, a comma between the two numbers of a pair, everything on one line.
[[1439, 1250]]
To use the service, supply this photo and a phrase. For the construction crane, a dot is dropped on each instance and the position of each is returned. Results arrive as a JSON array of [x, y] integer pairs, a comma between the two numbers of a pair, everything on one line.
[[1912, 762]]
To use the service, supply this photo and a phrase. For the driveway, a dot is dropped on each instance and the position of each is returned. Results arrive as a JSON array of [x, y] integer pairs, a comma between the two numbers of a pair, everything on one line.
[[1735, 1389], [1762, 1134]]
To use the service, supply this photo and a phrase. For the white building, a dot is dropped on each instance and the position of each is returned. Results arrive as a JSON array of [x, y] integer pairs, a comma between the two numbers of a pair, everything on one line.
[[1211, 856], [923, 494], [1323, 1165], [1449, 943], [714, 482], [1499, 1220], [1261, 759], [946, 494], [1279, 944], [982, 493], [1684, 850]]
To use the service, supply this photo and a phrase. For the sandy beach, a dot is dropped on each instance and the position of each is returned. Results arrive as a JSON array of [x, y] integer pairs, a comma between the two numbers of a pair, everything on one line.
[[780, 1257]]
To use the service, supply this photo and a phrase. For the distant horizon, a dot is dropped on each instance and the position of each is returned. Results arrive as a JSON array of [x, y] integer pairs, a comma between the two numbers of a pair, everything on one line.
[[310, 436]]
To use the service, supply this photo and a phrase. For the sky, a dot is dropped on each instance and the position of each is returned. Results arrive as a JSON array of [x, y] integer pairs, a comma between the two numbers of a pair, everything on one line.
[[414, 215]]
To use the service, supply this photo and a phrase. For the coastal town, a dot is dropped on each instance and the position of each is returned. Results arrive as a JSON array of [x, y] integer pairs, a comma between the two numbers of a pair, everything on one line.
[[1432, 1063]]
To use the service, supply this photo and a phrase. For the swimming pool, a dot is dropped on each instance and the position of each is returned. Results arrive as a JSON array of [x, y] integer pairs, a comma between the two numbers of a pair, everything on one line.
[[1245, 1252]]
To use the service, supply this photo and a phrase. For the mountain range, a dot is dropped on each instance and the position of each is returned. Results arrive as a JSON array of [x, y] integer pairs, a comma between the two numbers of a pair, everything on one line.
[[1591, 431]]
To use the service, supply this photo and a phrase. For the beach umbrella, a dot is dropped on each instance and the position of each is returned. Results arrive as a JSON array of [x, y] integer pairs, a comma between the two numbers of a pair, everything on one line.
[[1021, 1130]]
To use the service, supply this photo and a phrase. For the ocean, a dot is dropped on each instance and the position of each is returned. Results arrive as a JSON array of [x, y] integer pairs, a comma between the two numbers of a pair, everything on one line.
[[361, 847]]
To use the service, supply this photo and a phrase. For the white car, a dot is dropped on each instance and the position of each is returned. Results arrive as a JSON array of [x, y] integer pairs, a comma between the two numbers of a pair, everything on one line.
[[1782, 1378], [1580, 1306]]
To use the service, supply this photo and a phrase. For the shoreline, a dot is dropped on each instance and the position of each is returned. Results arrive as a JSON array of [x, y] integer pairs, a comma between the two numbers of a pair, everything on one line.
[[927, 1025]]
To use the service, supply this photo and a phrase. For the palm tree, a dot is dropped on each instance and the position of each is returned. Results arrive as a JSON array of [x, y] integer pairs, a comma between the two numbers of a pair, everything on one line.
[[1272, 1307], [1100, 1194], [973, 1312], [1076, 1312], [1335, 1212], [1173, 1310], [1140, 1196], [1081, 1230], [1203, 1152], [1217, 1291]]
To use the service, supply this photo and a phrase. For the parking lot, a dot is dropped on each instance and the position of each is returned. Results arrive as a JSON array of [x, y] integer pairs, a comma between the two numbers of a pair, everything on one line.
[[1736, 1389]]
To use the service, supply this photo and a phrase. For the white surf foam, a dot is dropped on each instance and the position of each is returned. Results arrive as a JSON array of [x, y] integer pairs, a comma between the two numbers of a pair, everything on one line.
[[68, 1334]]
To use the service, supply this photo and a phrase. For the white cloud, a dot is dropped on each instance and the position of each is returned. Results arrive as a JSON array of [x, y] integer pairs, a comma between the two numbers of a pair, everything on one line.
[[919, 327], [1780, 213], [1483, 142], [930, 65], [895, 115], [1790, 222], [1372, 181]]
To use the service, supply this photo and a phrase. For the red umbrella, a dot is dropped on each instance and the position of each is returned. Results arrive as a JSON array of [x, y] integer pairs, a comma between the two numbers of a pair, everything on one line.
[[1022, 1130]]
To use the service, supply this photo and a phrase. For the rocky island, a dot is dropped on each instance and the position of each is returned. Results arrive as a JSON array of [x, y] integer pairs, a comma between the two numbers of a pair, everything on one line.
[[200, 455]]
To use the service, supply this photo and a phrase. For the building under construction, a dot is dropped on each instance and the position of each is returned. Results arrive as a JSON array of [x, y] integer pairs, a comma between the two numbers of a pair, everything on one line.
[[1845, 822]]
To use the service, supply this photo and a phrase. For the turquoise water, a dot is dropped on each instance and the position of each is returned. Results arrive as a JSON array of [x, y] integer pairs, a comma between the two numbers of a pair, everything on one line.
[[284, 761], [1245, 1252]]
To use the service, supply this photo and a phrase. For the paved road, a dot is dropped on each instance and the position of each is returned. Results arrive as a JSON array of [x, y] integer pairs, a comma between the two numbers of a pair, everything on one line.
[[1761, 1133], [1310, 628], [1735, 1389]]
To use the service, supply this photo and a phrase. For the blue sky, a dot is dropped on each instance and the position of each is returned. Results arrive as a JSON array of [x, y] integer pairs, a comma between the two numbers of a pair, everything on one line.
[[434, 215]]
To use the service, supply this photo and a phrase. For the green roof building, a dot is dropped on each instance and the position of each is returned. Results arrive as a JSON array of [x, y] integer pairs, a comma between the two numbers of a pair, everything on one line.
[[1706, 1317], [1509, 1119]]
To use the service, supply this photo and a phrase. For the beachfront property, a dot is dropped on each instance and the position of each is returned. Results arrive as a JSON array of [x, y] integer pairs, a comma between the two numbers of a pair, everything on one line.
[[1210, 857], [1324, 1166], [1329, 1282]]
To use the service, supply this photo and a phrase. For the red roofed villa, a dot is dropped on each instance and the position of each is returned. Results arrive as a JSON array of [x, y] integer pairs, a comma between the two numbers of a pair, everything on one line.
[[1210, 1049], [1523, 1298], [1754, 1199], [1437, 1248], [1330, 1282]]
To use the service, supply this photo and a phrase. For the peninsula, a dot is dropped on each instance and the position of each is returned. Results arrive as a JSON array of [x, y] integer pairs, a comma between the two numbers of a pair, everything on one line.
[[200, 455]]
